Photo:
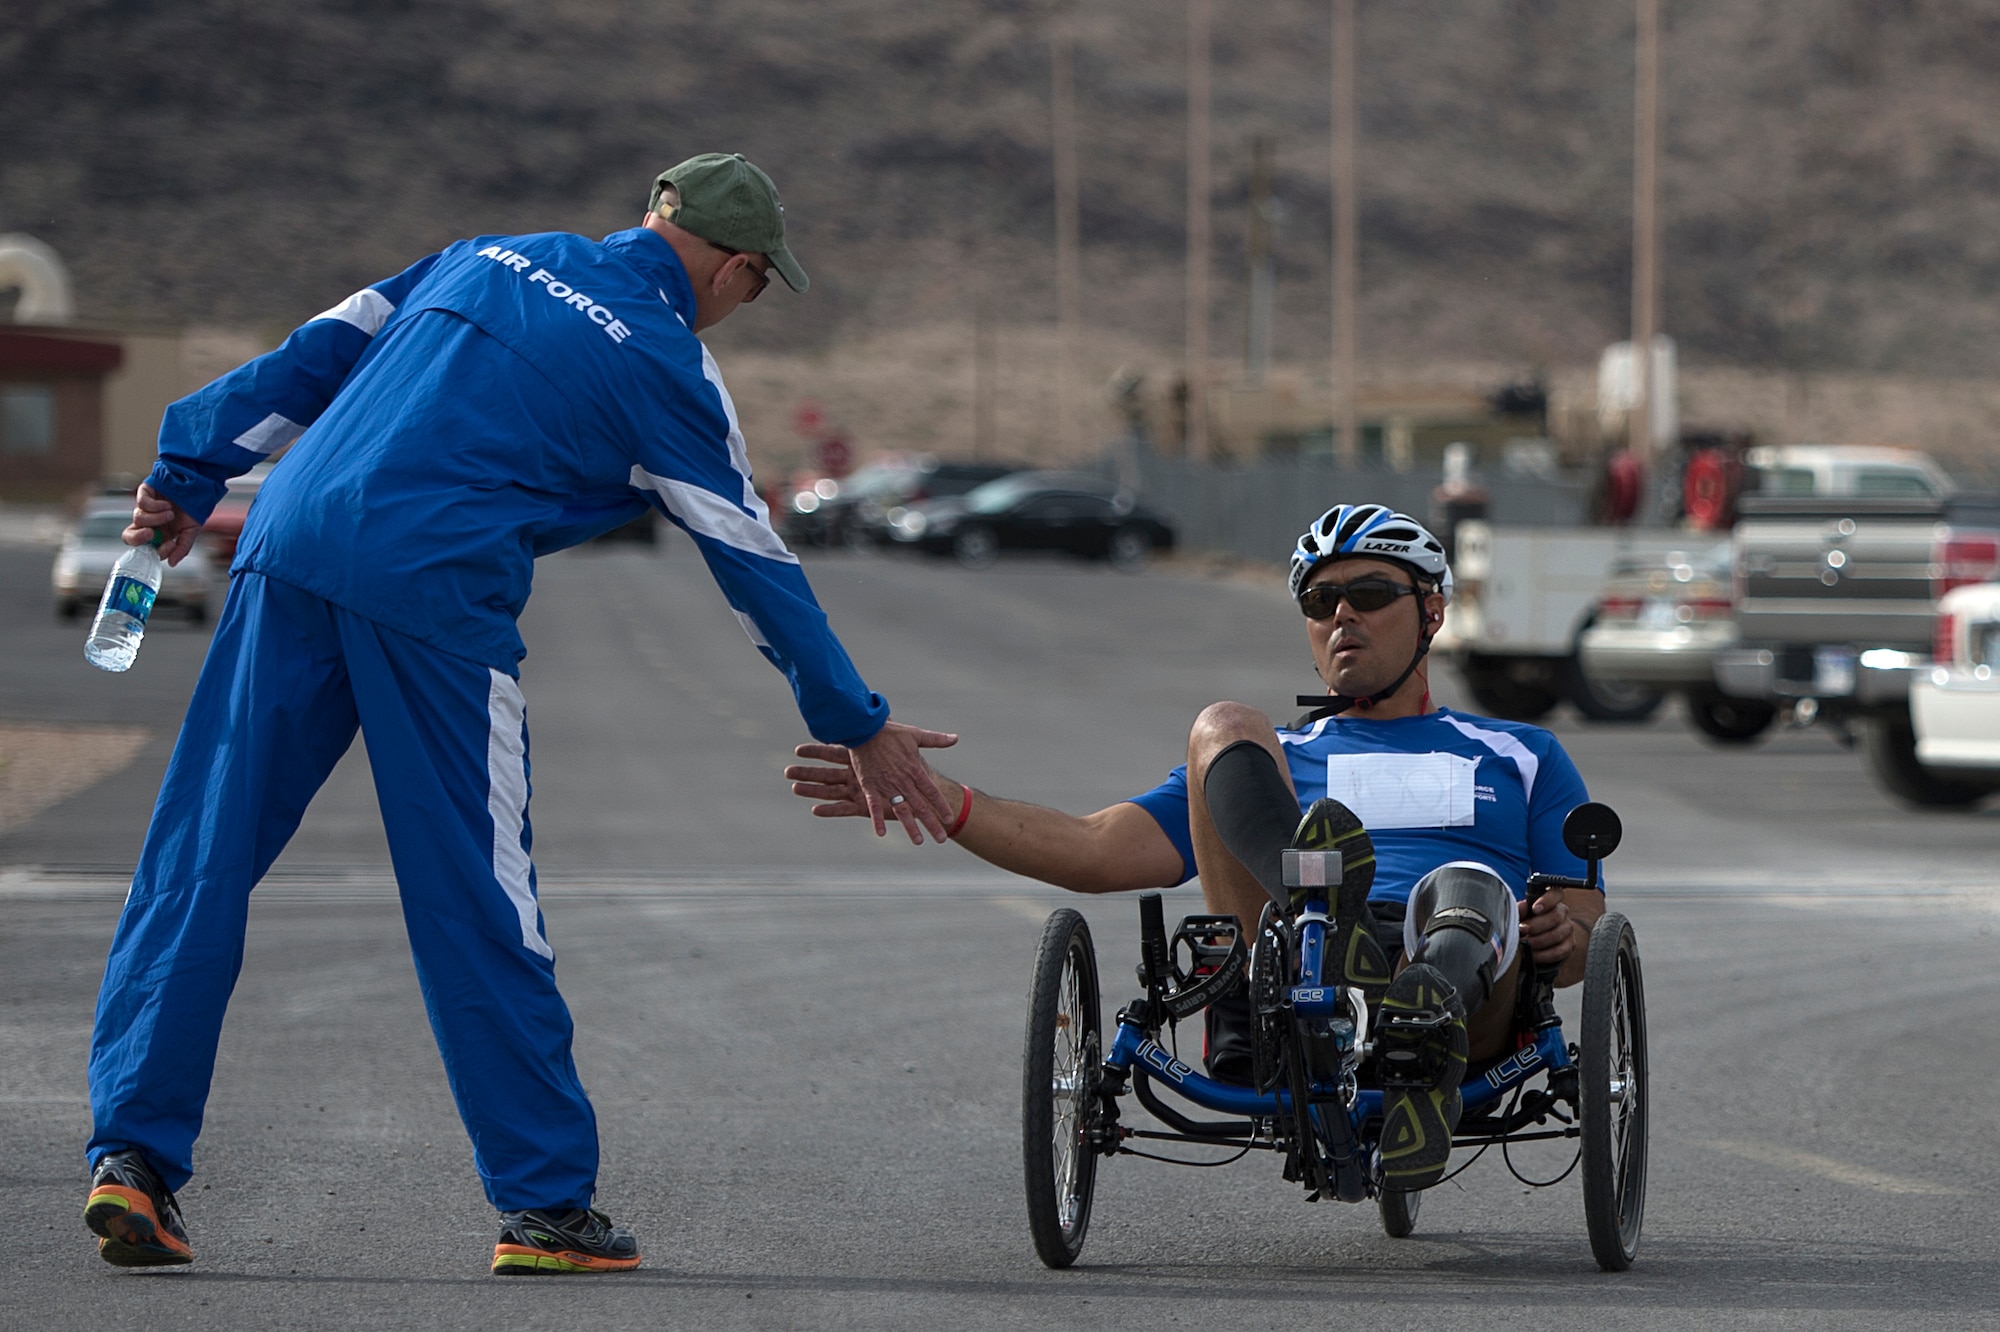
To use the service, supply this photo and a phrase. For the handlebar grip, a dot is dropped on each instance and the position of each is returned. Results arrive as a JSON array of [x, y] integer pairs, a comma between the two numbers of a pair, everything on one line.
[[1153, 940]]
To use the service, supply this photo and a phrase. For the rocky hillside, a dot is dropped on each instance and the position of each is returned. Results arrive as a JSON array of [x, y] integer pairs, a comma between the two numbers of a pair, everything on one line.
[[1832, 185]]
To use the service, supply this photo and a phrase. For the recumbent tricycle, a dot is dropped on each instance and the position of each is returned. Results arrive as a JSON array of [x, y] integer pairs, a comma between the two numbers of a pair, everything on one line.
[[1322, 1110]]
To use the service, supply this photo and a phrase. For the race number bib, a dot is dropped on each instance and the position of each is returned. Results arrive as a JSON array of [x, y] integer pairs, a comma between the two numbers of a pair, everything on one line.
[[1404, 790]]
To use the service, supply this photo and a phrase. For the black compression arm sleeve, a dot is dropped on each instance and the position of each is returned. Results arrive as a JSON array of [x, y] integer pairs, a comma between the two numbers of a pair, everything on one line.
[[1254, 812]]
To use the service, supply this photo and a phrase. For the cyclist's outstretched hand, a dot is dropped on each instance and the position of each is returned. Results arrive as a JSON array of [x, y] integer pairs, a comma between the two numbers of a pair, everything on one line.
[[883, 778]]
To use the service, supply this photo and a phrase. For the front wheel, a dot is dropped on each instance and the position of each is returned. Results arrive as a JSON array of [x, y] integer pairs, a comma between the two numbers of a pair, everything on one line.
[[1890, 742], [1729, 721], [1059, 1089], [975, 547], [1399, 1212], [1611, 1101]]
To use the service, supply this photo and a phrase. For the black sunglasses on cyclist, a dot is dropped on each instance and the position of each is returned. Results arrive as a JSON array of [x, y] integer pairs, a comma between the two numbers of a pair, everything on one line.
[[1321, 600]]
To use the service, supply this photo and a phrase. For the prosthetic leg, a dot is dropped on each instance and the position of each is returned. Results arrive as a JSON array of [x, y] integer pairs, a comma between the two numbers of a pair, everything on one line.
[[1251, 807], [1460, 933]]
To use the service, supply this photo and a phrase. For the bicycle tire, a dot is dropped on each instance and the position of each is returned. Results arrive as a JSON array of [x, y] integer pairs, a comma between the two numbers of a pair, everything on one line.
[[1399, 1212], [1059, 1089], [1612, 1093]]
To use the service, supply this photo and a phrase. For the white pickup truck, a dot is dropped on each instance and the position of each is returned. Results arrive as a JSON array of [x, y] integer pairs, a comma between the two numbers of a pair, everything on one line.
[[1954, 754], [1842, 555], [1525, 594]]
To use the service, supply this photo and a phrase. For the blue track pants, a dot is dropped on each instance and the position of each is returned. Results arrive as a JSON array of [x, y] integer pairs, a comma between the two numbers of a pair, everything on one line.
[[288, 680]]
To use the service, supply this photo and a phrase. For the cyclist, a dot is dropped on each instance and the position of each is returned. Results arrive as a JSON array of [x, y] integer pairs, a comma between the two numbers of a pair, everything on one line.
[[1439, 817]]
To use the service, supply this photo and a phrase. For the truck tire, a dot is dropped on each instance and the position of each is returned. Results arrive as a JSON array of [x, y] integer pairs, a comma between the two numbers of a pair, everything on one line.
[[1513, 688], [1891, 745], [1611, 700], [1726, 720]]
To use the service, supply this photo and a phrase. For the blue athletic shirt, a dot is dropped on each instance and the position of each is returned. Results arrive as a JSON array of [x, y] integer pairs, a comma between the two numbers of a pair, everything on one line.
[[507, 397], [1430, 790]]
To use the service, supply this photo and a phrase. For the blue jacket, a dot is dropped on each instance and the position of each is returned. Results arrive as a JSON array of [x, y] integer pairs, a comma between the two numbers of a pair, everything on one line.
[[504, 398]]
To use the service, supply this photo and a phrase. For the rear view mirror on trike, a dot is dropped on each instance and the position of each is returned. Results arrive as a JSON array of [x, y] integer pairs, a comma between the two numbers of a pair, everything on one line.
[[1592, 831]]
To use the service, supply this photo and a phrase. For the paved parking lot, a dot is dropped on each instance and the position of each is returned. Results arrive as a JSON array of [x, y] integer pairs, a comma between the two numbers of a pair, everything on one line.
[[804, 1044]]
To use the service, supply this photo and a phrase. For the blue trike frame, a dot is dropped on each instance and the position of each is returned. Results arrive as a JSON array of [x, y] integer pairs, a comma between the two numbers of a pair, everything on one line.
[[1318, 1043]]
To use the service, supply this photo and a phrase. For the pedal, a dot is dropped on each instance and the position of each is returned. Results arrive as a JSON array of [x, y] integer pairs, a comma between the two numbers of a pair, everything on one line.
[[1407, 1056]]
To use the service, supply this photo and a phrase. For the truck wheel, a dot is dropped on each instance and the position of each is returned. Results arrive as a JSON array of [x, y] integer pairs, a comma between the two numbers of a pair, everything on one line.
[[1891, 743], [1512, 688], [1730, 721], [1612, 700]]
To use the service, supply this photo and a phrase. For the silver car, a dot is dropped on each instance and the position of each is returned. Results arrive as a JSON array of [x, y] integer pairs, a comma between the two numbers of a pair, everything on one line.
[[1660, 621], [83, 565]]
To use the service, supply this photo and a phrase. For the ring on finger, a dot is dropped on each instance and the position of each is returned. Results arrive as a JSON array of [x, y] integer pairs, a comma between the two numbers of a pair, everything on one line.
[[896, 799]]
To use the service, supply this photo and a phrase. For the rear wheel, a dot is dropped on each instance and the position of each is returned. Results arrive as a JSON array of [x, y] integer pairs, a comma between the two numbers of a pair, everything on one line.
[[1129, 549], [1891, 743], [1731, 721], [975, 547], [1612, 700], [1607, 700], [1399, 1213], [1513, 688], [1611, 1101], [1059, 1089]]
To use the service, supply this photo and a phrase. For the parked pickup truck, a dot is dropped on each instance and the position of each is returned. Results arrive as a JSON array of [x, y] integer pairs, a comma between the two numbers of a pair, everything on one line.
[[1955, 705], [1524, 595], [1841, 555]]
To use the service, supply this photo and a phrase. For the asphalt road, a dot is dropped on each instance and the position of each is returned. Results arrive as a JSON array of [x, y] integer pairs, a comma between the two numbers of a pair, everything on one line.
[[804, 1043]]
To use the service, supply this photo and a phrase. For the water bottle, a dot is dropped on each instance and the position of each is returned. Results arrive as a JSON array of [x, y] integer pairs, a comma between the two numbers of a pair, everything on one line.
[[128, 600]]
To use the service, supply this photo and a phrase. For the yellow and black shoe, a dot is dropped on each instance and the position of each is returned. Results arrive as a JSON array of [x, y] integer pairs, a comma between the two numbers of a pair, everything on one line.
[[1421, 1035], [555, 1242], [1331, 826], [136, 1220]]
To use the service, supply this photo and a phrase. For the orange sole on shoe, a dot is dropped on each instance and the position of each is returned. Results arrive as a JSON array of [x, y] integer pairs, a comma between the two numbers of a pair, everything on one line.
[[519, 1260], [129, 1233]]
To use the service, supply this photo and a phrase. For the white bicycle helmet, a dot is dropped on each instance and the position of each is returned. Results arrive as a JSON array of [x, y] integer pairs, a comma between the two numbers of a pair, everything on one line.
[[1348, 531]]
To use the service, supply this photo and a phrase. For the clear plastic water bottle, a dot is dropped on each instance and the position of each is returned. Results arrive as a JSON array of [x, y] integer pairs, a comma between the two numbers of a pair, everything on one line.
[[128, 600]]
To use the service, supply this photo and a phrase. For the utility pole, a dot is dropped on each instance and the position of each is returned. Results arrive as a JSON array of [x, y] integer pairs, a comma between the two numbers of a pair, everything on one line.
[[1263, 277], [1197, 231], [982, 380], [1062, 109], [1645, 232], [1345, 225]]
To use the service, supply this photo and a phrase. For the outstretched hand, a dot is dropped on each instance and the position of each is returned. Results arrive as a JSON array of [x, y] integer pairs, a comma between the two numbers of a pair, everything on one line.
[[870, 778], [150, 511]]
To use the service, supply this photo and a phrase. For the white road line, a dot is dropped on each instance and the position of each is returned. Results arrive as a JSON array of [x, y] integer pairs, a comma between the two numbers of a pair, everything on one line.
[[1828, 1167], [1037, 911]]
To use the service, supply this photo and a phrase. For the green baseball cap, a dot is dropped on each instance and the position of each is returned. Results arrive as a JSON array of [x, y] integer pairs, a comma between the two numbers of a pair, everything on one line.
[[727, 201]]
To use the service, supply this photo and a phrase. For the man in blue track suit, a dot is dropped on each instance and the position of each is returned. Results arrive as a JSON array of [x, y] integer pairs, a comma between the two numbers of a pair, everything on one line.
[[504, 398], [1439, 818]]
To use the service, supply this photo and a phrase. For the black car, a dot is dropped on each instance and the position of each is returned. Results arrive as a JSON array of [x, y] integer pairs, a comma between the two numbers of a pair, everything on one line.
[[1058, 511], [856, 513]]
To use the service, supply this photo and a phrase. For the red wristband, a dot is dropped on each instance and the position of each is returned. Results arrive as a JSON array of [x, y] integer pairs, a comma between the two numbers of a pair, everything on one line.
[[964, 813]]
